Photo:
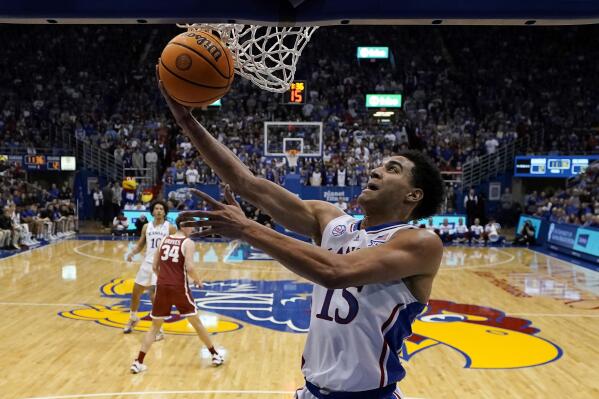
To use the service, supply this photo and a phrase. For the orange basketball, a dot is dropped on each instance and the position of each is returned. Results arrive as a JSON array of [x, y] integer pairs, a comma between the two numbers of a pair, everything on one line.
[[196, 69]]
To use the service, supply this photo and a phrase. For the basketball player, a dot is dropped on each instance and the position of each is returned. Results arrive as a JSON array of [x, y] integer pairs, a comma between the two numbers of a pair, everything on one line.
[[172, 263], [151, 235], [372, 277]]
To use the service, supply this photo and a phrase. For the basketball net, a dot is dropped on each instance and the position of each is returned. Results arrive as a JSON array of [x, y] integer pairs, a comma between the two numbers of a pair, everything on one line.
[[292, 158], [265, 55]]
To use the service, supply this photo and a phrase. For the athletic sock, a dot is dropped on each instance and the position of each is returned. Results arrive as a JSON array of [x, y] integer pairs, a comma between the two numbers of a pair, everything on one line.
[[213, 351], [133, 315], [141, 356]]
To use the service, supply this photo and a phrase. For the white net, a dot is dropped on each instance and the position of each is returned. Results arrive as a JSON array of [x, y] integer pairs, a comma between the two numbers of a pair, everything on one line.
[[292, 158], [265, 55]]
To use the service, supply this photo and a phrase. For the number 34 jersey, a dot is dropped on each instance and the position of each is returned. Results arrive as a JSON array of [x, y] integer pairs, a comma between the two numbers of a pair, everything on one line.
[[356, 333], [172, 269]]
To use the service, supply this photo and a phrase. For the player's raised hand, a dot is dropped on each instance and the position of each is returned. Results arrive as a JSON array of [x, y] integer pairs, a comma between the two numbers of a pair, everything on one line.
[[225, 219], [180, 112]]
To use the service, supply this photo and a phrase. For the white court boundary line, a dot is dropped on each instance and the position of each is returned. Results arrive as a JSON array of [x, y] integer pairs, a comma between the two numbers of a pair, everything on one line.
[[205, 392], [250, 269], [511, 258]]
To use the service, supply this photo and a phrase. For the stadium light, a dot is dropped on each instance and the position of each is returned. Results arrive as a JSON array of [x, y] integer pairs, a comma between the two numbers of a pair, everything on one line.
[[373, 52], [383, 100]]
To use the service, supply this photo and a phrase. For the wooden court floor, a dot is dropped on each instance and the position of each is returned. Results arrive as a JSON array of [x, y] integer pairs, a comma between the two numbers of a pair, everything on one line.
[[502, 323]]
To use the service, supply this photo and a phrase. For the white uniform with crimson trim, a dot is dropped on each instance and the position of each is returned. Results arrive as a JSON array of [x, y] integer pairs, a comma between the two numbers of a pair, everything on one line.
[[356, 333]]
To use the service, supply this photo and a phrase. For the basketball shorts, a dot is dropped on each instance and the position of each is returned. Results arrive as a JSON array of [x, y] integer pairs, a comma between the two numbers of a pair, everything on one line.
[[168, 296], [146, 276], [305, 393]]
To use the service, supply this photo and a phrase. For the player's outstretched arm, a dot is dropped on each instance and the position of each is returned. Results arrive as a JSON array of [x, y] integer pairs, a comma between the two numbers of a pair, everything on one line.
[[141, 244], [304, 217], [156, 259], [414, 252]]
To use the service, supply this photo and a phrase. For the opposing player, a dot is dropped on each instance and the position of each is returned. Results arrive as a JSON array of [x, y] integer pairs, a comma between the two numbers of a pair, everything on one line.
[[151, 235], [173, 263], [372, 277]]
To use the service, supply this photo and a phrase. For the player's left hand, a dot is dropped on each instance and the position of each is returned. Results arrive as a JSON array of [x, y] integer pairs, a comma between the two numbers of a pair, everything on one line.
[[225, 219]]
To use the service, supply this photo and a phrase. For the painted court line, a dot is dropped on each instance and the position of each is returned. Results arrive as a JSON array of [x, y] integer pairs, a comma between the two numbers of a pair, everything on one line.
[[203, 392], [511, 258], [249, 269], [554, 315], [38, 304]]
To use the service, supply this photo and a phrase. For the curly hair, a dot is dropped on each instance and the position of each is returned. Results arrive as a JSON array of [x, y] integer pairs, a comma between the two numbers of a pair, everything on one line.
[[159, 202], [425, 176]]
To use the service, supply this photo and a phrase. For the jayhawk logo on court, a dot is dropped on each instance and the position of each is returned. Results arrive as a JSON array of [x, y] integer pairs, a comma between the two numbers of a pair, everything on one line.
[[485, 337]]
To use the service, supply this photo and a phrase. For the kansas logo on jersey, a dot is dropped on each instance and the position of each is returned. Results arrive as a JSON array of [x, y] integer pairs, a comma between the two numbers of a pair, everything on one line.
[[485, 337]]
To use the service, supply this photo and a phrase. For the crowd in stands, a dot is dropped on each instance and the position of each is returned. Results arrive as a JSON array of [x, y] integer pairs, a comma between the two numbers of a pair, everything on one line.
[[578, 204], [465, 95], [30, 213], [462, 97]]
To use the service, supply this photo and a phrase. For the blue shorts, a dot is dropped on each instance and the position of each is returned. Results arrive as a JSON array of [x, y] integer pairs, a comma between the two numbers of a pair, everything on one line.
[[311, 391]]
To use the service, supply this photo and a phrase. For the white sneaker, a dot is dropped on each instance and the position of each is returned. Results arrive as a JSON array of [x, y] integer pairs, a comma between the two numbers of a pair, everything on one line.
[[217, 360], [130, 325], [159, 336], [138, 367]]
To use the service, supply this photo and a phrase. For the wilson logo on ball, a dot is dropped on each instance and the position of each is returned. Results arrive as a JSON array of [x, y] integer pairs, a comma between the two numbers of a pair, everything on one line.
[[207, 44]]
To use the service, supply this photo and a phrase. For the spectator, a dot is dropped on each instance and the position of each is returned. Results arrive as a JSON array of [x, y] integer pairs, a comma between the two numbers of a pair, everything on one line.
[[192, 175], [471, 206], [341, 204], [476, 232], [98, 203], [107, 195], [446, 231], [120, 224], [461, 231], [139, 224], [507, 204], [491, 233], [9, 237], [526, 236]]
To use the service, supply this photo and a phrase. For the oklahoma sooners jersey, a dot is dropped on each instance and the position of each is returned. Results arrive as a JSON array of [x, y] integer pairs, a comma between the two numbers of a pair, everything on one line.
[[172, 269]]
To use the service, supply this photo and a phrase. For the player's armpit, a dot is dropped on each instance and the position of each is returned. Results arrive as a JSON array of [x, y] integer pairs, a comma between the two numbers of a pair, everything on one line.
[[409, 253], [307, 218]]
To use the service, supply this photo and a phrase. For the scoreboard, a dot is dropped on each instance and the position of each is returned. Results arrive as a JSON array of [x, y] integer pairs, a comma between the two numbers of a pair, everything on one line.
[[42, 162], [552, 166], [296, 93]]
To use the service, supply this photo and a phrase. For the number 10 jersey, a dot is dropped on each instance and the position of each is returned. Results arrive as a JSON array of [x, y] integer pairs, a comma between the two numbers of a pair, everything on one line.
[[356, 333]]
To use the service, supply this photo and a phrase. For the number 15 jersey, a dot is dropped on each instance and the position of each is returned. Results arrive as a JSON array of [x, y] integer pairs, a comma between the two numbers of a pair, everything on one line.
[[356, 333]]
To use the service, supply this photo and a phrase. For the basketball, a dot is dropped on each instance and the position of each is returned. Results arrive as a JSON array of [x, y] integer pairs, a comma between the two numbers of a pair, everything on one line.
[[196, 69]]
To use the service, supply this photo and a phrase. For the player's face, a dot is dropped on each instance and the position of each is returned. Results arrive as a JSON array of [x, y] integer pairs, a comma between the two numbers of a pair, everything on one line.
[[158, 211], [390, 185]]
